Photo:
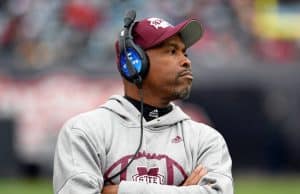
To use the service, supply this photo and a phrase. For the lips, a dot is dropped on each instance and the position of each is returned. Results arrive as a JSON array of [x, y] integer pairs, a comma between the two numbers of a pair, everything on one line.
[[186, 74]]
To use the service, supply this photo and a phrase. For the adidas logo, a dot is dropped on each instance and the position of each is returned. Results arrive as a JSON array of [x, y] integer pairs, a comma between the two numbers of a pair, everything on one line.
[[177, 139], [154, 113]]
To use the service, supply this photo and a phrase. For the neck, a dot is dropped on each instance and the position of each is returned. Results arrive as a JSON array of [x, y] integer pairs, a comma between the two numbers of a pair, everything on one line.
[[151, 100], [149, 112]]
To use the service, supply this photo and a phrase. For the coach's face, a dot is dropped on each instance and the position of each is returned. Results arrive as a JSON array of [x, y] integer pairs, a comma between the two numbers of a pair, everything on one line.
[[170, 76]]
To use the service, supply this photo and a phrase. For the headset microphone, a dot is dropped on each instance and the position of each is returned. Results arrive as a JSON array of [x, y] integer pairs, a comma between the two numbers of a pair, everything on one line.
[[129, 18]]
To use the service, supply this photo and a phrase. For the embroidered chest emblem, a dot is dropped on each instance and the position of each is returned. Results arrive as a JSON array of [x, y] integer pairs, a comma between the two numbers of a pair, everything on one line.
[[148, 176]]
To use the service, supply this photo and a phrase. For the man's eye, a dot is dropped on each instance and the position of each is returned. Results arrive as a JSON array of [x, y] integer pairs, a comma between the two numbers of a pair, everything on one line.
[[173, 51]]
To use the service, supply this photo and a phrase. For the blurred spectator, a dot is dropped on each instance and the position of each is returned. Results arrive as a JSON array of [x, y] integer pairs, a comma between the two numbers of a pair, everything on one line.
[[81, 15], [276, 51], [10, 33], [80, 19], [76, 33], [42, 36]]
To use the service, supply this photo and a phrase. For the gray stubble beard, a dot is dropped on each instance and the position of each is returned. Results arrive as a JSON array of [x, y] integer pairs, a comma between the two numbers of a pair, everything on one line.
[[183, 94]]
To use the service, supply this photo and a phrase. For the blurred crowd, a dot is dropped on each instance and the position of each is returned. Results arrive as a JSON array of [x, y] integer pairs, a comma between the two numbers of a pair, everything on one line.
[[250, 44], [79, 34]]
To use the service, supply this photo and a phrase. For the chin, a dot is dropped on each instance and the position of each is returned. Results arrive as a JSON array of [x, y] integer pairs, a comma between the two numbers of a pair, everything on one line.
[[183, 94]]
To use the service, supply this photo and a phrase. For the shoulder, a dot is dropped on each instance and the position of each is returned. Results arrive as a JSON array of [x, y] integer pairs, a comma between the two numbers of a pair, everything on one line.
[[91, 123], [86, 119], [203, 131]]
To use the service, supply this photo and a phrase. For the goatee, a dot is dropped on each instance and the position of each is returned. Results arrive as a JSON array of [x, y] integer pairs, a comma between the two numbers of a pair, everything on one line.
[[183, 94]]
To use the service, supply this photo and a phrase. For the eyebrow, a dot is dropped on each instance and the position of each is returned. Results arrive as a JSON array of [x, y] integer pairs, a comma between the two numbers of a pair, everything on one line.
[[171, 44]]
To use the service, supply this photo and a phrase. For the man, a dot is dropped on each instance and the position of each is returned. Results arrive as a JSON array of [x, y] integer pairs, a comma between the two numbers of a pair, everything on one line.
[[130, 147]]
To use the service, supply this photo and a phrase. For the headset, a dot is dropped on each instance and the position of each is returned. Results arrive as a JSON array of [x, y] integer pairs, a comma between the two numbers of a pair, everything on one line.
[[133, 66], [133, 61]]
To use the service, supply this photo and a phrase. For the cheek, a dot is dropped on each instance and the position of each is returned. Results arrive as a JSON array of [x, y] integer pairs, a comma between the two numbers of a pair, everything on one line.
[[164, 67], [156, 68], [162, 75]]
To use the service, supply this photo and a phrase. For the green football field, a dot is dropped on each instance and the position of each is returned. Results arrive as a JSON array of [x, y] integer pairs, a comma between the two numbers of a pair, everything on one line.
[[243, 185]]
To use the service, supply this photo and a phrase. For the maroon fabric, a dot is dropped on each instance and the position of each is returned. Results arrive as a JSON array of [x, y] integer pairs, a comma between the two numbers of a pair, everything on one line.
[[148, 34], [151, 32]]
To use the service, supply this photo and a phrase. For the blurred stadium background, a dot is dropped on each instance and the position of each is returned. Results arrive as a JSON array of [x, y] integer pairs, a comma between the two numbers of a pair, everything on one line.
[[57, 59]]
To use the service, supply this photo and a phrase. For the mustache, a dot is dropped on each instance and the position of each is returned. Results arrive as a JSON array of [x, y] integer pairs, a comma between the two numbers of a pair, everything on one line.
[[185, 72]]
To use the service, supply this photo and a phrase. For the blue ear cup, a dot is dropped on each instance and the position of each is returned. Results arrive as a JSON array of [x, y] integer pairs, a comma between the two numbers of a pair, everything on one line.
[[137, 65], [135, 61]]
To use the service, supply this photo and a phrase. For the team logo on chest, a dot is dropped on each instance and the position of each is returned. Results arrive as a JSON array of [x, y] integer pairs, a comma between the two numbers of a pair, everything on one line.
[[166, 170], [148, 176]]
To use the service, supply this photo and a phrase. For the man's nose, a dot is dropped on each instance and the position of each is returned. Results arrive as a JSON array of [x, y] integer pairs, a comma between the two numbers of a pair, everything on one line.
[[186, 62]]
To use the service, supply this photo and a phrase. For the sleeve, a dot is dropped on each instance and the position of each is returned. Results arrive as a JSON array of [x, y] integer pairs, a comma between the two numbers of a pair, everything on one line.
[[130, 187], [77, 166], [214, 155]]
